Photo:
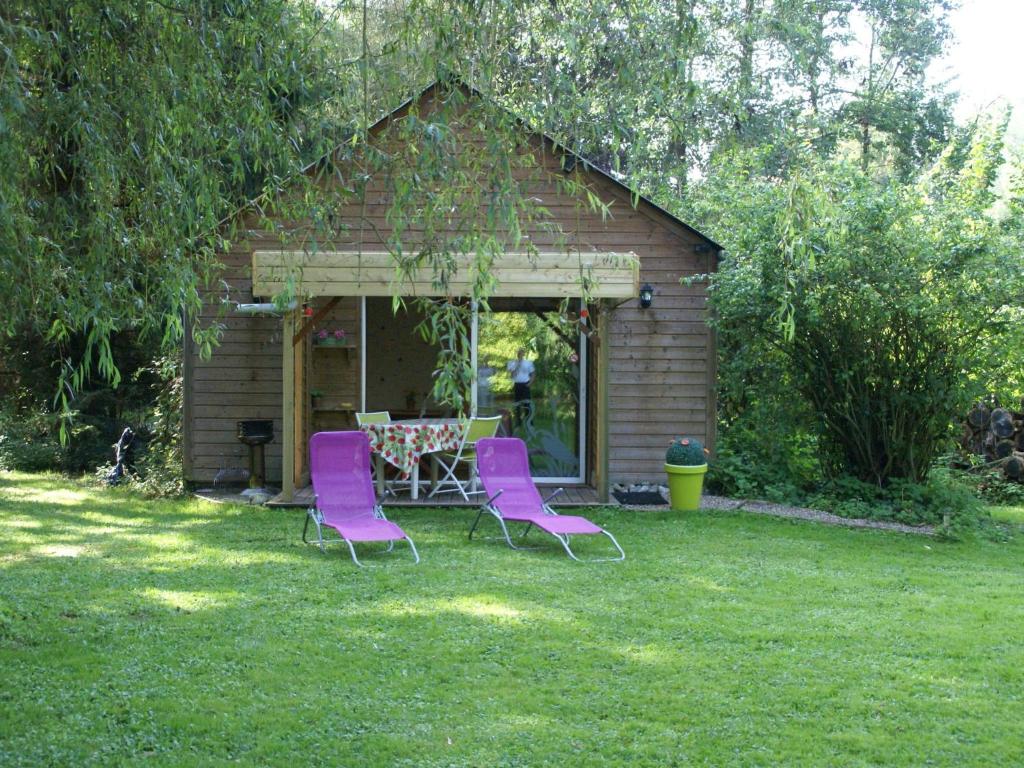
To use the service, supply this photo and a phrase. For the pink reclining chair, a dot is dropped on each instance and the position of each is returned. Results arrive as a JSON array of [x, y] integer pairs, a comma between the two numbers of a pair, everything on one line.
[[339, 464], [512, 497]]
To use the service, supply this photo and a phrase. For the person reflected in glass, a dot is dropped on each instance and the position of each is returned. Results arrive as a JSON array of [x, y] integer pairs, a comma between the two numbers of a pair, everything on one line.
[[523, 373]]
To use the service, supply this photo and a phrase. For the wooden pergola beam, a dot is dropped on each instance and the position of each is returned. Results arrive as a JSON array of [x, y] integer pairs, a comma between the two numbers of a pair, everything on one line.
[[372, 273]]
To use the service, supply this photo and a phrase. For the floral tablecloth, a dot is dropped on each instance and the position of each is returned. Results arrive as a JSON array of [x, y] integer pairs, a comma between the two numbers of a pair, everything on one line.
[[402, 443]]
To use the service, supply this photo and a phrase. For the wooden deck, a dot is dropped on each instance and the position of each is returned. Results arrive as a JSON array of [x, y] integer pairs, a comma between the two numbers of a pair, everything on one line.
[[572, 496]]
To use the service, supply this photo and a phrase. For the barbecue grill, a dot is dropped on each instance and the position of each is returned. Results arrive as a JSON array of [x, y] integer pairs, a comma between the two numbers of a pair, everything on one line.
[[256, 433]]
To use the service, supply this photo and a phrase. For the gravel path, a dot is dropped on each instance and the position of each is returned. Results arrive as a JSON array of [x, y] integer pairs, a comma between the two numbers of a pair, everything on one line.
[[801, 513]]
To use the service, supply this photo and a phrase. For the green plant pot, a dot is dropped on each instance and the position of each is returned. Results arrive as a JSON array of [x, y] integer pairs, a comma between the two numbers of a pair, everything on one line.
[[684, 486]]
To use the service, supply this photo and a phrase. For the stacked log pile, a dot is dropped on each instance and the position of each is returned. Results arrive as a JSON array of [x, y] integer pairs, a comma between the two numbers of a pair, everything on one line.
[[997, 434]]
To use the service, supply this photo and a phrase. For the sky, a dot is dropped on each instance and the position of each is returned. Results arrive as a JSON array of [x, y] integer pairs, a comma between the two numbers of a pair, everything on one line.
[[987, 56]]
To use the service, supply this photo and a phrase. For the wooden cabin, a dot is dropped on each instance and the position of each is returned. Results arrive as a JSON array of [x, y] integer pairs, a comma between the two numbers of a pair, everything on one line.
[[645, 376]]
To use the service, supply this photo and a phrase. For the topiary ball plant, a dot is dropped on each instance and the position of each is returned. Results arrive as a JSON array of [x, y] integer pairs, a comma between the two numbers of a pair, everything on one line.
[[685, 452]]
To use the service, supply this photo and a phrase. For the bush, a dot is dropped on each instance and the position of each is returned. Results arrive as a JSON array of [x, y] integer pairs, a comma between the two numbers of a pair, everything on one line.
[[29, 441], [943, 500], [100, 412], [746, 466], [157, 469], [993, 487], [868, 300], [149, 401]]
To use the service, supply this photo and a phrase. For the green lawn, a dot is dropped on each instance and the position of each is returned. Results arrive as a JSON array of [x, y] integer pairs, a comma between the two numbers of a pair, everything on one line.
[[186, 633], [1009, 514]]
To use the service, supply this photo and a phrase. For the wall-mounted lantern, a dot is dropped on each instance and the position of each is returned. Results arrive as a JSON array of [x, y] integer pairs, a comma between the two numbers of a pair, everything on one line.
[[646, 296]]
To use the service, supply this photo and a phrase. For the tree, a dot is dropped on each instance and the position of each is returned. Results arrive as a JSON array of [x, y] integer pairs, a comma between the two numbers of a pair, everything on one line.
[[129, 131], [887, 307], [132, 129], [890, 95]]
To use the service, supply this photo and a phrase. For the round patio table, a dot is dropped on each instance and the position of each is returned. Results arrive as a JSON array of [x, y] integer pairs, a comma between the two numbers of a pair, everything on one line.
[[403, 443]]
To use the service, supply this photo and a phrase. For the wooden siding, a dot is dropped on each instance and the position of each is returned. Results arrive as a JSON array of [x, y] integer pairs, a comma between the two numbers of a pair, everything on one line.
[[399, 363], [242, 380], [332, 370], [661, 384], [661, 360]]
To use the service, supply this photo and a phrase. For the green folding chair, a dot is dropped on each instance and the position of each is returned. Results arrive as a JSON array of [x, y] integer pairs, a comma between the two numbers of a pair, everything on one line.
[[476, 429], [383, 485], [373, 417]]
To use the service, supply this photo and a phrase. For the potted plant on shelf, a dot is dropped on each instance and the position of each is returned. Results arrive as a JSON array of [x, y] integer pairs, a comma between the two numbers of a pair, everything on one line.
[[686, 463], [326, 338], [317, 397]]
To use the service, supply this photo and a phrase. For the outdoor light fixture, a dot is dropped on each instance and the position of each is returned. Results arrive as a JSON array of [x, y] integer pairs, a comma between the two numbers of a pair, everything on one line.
[[646, 295]]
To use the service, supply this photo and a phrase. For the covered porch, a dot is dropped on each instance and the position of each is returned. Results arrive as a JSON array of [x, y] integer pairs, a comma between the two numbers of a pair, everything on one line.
[[351, 353]]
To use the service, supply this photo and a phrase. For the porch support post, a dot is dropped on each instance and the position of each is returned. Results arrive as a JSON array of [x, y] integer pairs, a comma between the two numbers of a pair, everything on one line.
[[362, 354], [300, 403], [288, 408], [603, 355], [474, 337]]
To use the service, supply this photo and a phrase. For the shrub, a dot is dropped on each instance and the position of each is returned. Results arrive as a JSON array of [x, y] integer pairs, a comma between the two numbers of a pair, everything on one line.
[[750, 467], [992, 486], [686, 452], [157, 470], [149, 401], [29, 441], [869, 300], [943, 500]]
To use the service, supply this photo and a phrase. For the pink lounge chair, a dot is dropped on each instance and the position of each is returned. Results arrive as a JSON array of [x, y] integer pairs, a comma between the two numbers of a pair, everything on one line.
[[512, 497], [339, 464]]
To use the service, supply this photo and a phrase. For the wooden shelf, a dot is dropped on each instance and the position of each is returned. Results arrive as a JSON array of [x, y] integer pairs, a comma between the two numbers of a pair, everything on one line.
[[333, 409], [346, 347]]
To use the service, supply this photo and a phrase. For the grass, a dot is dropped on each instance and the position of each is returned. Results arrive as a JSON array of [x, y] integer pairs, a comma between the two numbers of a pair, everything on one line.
[[1008, 515], [183, 633]]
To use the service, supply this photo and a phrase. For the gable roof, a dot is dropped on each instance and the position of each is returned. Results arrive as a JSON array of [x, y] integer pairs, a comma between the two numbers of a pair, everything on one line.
[[588, 166], [438, 87]]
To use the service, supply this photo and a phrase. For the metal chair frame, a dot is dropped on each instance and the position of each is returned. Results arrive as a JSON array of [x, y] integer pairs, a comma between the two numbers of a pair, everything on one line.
[[317, 517], [563, 539]]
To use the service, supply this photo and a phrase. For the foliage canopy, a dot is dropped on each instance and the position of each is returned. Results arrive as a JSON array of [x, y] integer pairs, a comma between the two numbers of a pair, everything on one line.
[[131, 130], [794, 132], [886, 307]]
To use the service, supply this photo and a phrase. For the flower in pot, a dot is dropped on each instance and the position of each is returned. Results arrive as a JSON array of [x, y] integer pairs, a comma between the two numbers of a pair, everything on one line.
[[317, 397], [686, 463], [322, 336], [339, 335]]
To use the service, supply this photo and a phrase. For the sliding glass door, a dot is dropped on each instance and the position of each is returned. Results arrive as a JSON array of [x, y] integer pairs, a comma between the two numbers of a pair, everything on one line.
[[531, 371]]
